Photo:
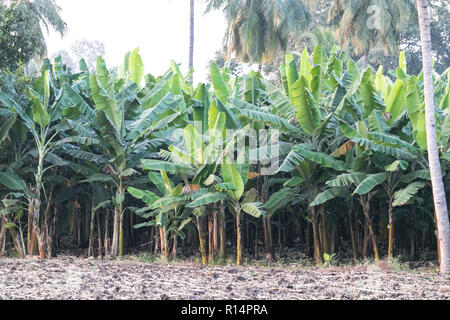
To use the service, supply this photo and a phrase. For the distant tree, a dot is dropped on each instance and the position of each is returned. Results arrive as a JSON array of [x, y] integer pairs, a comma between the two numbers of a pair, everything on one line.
[[88, 50], [66, 58], [364, 25], [259, 31], [21, 35]]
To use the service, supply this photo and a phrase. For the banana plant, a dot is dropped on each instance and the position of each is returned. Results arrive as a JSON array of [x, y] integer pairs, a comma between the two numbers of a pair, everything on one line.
[[165, 210], [128, 129], [47, 101], [12, 208], [311, 158]]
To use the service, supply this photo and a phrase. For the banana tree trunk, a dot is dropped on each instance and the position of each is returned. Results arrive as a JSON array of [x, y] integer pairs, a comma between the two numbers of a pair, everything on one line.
[[222, 234], [35, 205], [352, 236], [317, 255], [115, 239], [210, 240], [238, 236], [106, 240], [174, 247], [366, 210], [440, 202], [391, 231], [215, 231], [323, 231], [121, 233], [317, 252], [30, 231], [91, 233], [201, 242]]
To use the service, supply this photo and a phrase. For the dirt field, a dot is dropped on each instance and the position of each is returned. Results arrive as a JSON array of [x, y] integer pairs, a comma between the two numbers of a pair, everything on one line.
[[75, 278]]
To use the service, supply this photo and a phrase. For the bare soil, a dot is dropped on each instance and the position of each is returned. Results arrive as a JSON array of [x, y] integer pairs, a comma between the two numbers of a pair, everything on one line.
[[71, 278]]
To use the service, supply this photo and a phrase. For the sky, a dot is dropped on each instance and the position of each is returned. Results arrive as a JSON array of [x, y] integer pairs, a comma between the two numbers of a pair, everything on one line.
[[160, 28]]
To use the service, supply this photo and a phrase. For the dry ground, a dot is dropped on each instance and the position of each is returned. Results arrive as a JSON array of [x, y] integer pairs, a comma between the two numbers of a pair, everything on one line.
[[76, 278]]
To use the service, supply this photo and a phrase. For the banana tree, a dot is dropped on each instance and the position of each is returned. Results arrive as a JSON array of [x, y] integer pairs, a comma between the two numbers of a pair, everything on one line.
[[13, 206], [127, 129], [311, 158], [251, 101], [47, 102], [165, 210]]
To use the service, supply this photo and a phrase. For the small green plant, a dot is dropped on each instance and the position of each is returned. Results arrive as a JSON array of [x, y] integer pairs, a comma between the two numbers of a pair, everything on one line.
[[329, 260], [397, 264], [146, 257]]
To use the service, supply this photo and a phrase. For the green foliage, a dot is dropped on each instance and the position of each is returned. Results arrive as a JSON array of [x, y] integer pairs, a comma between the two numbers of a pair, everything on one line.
[[21, 36], [103, 141]]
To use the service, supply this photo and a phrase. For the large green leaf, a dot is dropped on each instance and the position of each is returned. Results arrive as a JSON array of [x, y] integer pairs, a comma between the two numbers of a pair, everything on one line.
[[147, 196], [397, 165], [136, 66], [305, 66], [401, 197], [220, 87], [396, 101], [79, 102], [254, 209], [396, 152], [12, 181], [308, 114], [370, 97], [211, 197], [40, 114], [194, 143], [158, 165], [327, 195], [6, 127], [231, 175], [393, 141], [321, 159], [279, 199], [418, 174], [347, 179], [15, 107], [291, 74], [255, 113], [105, 102], [317, 73], [370, 182]]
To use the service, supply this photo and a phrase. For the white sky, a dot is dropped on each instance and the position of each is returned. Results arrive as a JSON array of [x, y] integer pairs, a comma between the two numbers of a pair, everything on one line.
[[160, 28]]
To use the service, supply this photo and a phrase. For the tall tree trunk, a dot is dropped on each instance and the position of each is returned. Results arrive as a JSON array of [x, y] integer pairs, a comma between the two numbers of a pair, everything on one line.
[[440, 202], [352, 236], [115, 239], [201, 241], [210, 239], [238, 236], [215, 231], [91, 232], [368, 220], [391, 231], [222, 230], [191, 39]]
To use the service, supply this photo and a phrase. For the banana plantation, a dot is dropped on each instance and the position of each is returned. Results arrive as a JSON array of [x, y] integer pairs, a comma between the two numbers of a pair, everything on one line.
[[117, 162]]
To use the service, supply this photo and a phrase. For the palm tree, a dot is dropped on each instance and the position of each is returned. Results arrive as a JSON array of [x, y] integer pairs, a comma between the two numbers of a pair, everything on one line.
[[258, 31], [22, 25], [440, 203], [361, 25], [47, 12]]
